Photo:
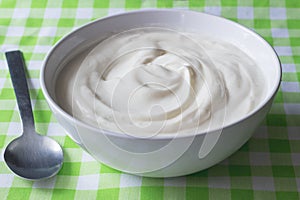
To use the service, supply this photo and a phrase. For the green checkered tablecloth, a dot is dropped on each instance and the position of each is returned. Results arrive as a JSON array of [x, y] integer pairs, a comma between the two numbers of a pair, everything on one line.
[[266, 167]]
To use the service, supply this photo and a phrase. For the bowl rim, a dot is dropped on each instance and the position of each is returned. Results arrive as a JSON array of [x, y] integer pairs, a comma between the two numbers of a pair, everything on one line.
[[167, 136]]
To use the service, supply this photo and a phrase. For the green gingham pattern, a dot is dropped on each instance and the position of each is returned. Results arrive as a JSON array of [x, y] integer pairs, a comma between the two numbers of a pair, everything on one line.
[[266, 167]]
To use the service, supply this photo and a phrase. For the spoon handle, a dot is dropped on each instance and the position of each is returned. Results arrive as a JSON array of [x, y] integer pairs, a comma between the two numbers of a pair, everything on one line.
[[16, 67]]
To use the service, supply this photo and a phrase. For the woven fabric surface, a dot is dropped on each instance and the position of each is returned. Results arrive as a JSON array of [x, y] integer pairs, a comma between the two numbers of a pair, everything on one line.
[[266, 167]]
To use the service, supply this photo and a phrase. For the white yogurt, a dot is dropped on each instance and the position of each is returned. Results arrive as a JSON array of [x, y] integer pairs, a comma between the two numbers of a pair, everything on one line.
[[159, 81]]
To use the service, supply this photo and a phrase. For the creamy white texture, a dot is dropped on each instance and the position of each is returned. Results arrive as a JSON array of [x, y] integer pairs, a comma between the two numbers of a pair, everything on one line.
[[152, 80]]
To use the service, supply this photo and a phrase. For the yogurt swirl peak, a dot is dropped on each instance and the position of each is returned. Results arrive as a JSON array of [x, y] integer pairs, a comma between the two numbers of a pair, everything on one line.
[[150, 81]]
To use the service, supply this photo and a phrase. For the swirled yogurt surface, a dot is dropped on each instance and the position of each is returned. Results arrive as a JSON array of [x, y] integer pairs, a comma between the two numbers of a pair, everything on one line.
[[159, 81]]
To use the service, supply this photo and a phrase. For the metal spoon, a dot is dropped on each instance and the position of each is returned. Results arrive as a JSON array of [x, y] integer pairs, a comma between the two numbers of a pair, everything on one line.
[[30, 156]]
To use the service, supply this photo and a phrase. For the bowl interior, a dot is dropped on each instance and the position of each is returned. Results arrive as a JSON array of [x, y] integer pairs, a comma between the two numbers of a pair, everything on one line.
[[207, 25]]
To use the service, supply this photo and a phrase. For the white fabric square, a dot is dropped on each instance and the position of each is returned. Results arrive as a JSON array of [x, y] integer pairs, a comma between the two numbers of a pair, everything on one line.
[[52, 13], [34, 64], [14, 128], [181, 8], [84, 13], [6, 180], [2, 81], [245, 13], [113, 11], [263, 183], [34, 83], [41, 49], [290, 86], [88, 182], [292, 108], [2, 156], [213, 10], [260, 159], [277, 13], [15, 31], [283, 50], [295, 159], [175, 182], [9, 47], [54, 129], [85, 157], [47, 31], [3, 65], [127, 180], [21, 13], [219, 182], [280, 32], [288, 68], [293, 133], [48, 183], [298, 184]]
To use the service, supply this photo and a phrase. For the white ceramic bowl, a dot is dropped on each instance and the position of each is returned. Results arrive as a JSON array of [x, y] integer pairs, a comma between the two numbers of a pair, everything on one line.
[[162, 156]]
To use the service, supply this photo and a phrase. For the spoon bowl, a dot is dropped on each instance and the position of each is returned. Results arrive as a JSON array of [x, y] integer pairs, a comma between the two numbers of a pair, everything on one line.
[[34, 157], [30, 156]]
